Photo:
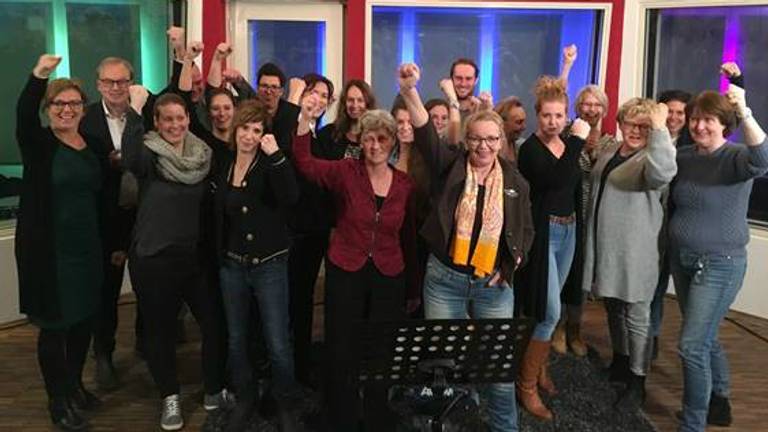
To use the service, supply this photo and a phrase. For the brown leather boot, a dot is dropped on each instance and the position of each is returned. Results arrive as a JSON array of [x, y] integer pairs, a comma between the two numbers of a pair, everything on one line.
[[558, 338], [575, 342], [527, 390], [545, 382]]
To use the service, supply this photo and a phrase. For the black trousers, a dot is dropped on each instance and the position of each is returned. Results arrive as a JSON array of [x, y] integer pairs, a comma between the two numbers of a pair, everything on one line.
[[352, 297], [304, 261], [61, 354], [162, 282], [105, 322]]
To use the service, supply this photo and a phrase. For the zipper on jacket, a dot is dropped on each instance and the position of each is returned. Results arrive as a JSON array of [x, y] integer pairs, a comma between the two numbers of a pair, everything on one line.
[[373, 234]]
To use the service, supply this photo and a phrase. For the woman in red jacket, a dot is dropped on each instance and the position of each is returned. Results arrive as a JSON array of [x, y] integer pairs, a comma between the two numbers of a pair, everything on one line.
[[365, 266]]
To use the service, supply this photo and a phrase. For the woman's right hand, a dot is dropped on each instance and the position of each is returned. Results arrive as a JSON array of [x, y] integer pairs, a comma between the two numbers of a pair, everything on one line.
[[408, 75], [580, 128], [194, 50], [46, 64]]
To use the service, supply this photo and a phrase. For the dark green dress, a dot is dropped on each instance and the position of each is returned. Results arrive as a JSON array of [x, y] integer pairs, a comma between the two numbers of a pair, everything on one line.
[[76, 183]]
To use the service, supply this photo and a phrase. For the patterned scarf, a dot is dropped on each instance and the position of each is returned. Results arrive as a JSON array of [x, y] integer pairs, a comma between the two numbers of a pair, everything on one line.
[[190, 167], [484, 256]]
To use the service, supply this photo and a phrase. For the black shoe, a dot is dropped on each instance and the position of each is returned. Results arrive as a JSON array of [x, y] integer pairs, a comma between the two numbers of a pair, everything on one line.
[[633, 397], [64, 417], [719, 413], [83, 400], [288, 420], [618, 371], [106, 378]]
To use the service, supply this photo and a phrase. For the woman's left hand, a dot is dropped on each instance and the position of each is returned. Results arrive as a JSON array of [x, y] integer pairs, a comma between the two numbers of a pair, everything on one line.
[[659, 114], [269, 144]]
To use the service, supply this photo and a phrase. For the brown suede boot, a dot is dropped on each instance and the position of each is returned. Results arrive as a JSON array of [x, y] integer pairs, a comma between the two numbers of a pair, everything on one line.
[[558, 338], [527, 390], [545, 382], [575, 342]]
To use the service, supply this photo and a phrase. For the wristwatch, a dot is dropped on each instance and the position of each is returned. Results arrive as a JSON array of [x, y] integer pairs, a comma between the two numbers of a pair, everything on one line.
[[454, 104]]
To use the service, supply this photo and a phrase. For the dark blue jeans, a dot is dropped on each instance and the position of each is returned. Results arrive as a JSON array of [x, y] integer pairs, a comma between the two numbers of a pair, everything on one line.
[[706, 285], [267, 284]]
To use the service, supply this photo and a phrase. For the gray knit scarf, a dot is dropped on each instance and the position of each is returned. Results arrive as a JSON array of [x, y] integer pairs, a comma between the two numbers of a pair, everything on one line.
[[189, 167]]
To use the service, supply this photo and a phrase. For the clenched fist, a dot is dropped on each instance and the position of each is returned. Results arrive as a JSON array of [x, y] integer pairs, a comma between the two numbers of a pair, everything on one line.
[[223, 50], [580, 128], [659, 114], [408, 75], [269, 144], [46, 64], [138, 97], [194, 50]]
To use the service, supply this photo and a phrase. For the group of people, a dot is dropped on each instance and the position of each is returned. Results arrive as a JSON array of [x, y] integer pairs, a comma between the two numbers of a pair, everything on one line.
[[228, 198]]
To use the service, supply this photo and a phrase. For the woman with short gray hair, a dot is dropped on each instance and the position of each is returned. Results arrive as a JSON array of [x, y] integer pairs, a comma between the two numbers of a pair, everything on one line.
[[622, 254]]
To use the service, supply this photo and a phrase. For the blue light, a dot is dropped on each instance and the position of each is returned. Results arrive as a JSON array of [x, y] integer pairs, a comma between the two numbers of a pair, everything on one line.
[[253, 36], [322, 63], [487, 45], [407, 36]]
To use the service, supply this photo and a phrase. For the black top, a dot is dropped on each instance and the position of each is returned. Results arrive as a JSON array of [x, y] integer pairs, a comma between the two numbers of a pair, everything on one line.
[[379, 201], [252, 220], [552, 180], [35, 233], [336, 149]]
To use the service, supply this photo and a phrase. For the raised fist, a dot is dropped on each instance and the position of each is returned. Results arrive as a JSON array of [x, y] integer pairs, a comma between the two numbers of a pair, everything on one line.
[[580, 128], [738, 98], [474, 104], [269, 144], [486, 100], [46, 64], [408, 75], [138, 97], [193, 50], [569, 54], [659, 114], [446, 85], [310, 106], [296, 86], [730, 69], [223, 50], [231, 75]]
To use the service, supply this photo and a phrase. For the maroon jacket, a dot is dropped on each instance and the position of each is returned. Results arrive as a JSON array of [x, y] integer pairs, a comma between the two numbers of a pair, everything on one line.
[[361, 231]]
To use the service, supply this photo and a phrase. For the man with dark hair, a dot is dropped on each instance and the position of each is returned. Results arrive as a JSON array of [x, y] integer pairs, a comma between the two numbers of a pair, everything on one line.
[[270, 81], [465, 75]]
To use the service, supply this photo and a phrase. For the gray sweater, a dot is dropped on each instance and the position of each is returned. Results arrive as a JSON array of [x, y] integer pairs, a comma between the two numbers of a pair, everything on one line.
[[710, 196]]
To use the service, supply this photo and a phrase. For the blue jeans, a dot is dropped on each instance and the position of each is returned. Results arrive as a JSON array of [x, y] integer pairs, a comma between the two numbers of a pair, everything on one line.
[[267, 283], [447, 295], [562, 245], [706, 285]]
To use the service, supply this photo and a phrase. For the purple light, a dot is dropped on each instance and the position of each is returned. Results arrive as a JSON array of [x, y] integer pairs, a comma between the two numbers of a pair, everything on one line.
[[730, 44]]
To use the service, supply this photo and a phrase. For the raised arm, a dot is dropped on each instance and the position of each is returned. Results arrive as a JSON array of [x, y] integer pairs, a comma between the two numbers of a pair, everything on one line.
[[135, 157], [28, 106], [326, 173], [569, 58], [661, 164], [223, 50], [176, 38], [242, 88], [280, 175], [756, 161], [454, 113], [185, 79]]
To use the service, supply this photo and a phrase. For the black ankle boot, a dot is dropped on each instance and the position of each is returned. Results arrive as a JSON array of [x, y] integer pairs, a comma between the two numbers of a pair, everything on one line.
[[64, 417], [288, 420], [106, 377], [618, 371], [719, 413], [84, 400], [633, 397]]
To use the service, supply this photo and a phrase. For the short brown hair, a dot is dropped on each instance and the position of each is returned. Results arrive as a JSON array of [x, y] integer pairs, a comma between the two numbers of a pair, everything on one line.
[[465, 61], [249, 111], [169, 99], [550, 89], [712, 103], [60, 85], [502, 108]]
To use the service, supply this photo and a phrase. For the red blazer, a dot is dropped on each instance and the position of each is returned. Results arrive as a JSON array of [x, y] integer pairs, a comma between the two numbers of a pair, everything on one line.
[[361, 231]]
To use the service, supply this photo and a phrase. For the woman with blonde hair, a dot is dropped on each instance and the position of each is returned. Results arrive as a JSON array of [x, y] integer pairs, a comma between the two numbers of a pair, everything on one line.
[[550, 163], [621, 262]]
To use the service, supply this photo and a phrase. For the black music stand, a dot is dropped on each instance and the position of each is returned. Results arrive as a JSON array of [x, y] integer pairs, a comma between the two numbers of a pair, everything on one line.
[[432, 363]]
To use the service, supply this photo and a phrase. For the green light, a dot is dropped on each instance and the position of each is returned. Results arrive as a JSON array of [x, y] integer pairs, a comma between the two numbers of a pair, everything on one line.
[[60, 37]]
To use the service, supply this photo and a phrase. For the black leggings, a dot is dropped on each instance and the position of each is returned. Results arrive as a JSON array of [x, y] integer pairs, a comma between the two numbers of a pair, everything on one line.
[[61, 354]]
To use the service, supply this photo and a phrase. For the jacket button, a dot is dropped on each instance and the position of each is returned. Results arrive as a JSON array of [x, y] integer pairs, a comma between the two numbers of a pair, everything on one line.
[[255, 261], [509, 234], [244, 209], [243, 183], [249, 237]]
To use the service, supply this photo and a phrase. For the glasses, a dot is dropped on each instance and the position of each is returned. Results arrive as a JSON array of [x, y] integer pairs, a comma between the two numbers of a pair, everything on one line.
[[639, 126], [73, 105], [115, 83], [489, 140], [270, 88]]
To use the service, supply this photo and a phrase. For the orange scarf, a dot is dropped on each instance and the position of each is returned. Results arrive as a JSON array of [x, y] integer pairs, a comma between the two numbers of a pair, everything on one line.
[[484, 256]]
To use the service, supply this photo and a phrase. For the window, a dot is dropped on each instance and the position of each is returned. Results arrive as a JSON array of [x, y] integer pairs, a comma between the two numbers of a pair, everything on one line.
[[686, 47], [82, 32], [511, 47], [297, 47]]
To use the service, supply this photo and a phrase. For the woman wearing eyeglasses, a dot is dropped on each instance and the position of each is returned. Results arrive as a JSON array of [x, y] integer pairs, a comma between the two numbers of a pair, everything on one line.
[[479, 229], [58, 241], [621, 262], [551, 166]]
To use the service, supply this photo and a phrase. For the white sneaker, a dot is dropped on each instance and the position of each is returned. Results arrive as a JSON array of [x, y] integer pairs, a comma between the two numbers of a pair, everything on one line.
[[222, 399], [171, 419]]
